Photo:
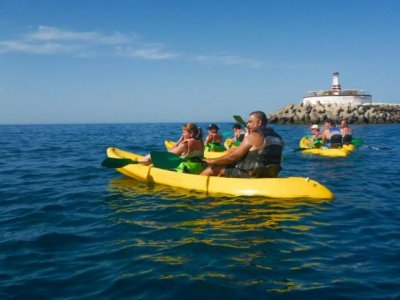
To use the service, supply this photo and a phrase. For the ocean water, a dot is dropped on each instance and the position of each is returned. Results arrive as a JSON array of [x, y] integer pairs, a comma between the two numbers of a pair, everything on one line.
[[71, 229]]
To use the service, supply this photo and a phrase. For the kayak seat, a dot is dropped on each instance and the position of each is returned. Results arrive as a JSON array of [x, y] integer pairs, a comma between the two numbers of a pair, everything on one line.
[[347, 139], [336, 141], [269, 171]]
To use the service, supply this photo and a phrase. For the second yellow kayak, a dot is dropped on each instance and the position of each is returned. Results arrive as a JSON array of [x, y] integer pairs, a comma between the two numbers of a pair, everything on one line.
[[344, 151]]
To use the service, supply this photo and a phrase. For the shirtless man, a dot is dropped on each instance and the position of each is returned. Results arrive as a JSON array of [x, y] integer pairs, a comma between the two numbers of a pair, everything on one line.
[[346, 132], [344, 128], [258, 155]]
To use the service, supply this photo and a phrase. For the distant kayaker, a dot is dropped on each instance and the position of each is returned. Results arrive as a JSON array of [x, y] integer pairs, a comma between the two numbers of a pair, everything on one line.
[[315, 140], [346, 132], [238, 136], [331, 137], [238, 133], [214, 139], [258, 155]]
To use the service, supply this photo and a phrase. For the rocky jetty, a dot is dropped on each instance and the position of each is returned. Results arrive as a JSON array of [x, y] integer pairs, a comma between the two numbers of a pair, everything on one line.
[[317, 113]]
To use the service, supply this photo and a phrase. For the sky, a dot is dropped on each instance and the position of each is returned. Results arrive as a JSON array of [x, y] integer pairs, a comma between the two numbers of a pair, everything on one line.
[[98, 61]]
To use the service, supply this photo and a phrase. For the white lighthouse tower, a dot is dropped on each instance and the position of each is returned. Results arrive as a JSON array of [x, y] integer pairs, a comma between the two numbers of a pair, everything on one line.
[[337, 95], [335, 84]]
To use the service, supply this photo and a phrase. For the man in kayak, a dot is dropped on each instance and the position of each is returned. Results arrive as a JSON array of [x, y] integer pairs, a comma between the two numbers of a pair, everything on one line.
[[346, 132], [331, 137], [258, 155]]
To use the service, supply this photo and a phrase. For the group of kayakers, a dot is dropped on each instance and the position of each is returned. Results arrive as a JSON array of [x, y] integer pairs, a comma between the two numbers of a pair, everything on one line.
[[331, 136], [257, 153]]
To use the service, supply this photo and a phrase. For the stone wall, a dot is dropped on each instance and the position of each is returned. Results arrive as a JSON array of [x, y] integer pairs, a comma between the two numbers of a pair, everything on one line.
[[317, 113]]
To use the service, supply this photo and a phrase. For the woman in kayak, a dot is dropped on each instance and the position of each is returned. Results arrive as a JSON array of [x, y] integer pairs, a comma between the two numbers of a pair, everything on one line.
[[190, 148], [191, 142]]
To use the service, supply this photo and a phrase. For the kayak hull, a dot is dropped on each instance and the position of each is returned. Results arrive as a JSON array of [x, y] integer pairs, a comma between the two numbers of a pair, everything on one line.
[[345, 151], [289, 187]]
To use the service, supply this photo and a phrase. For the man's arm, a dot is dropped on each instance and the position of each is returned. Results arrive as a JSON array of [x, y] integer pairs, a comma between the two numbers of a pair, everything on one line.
[[234, 155]]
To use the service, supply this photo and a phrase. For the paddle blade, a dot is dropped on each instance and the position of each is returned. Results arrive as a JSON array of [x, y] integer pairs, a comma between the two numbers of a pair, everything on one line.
[[116, 163], [240, 120], [165, 160], [358, 142], [316, 144]]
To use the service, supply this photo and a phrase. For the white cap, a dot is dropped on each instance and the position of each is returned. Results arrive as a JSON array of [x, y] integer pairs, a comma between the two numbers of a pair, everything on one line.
[[315, 126]]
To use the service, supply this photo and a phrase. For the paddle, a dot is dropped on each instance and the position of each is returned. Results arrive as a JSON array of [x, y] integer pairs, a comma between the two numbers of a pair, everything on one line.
[[240, 120], [316, 143], [165, 160], [160, 159], [110, 162], [357, 142]]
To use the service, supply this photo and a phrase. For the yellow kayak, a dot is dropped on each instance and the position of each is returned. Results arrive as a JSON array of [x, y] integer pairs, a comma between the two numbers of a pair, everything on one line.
[[344, 151], [229, 144], [207, 154], [287, 188], [169, 144]]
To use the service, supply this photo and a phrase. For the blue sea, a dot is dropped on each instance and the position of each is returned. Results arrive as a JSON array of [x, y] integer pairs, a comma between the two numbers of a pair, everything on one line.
[[71, 229]]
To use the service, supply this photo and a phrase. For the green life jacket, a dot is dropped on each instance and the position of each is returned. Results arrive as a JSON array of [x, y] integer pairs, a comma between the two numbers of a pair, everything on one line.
[[193, 163], [191, 167]]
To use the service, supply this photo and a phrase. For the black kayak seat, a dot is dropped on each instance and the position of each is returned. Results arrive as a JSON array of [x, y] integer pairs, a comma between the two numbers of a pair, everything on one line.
[[269, 171]]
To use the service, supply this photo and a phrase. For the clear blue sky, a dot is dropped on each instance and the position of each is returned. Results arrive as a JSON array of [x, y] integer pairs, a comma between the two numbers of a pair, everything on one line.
[[175, 61]]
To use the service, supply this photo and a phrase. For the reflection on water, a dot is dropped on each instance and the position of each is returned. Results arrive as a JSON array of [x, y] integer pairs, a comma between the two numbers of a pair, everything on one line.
[[235, 214], [173, 226]]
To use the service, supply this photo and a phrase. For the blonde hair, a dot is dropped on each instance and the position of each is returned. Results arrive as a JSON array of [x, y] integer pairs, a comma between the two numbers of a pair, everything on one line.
[[193, 128]]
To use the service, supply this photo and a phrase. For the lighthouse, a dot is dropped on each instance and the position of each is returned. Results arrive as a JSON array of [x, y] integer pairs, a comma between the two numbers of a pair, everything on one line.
[[338, 96], [335, 84]]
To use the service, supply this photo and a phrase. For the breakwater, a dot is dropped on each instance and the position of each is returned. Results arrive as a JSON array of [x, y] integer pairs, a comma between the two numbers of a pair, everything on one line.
[[317, 113]]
